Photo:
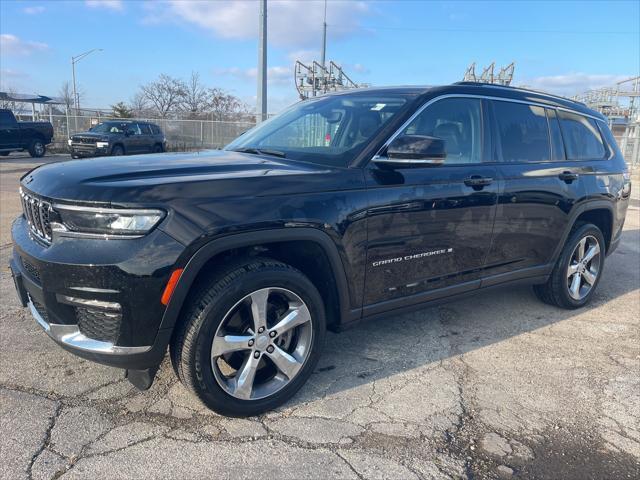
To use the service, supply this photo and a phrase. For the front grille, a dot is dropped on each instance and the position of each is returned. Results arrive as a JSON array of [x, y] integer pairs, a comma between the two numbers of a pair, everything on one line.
[[99, 325], [84, 140], [37, 212], [33, 271]]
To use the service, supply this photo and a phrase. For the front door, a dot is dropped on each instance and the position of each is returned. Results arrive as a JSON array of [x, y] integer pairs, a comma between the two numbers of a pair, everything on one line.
[[430, 228]]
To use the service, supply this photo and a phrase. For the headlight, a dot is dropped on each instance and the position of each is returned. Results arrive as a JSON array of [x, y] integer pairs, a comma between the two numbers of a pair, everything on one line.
[[102, 144], [69, 142], [84, 221]]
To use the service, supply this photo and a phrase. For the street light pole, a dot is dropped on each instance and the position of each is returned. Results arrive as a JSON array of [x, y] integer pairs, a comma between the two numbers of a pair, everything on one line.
[[76, 98]]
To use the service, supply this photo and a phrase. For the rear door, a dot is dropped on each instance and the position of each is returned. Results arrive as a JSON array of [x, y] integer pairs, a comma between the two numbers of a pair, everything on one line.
[[148, 140], [429, 228], [135, 140], [541, 187]]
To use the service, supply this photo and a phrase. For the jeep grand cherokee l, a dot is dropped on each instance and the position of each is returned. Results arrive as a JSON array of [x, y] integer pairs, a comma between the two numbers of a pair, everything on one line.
[[344, 207], [118, 137]]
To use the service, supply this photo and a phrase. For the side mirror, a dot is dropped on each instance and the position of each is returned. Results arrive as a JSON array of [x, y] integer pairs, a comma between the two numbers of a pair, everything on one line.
[[408, 151]]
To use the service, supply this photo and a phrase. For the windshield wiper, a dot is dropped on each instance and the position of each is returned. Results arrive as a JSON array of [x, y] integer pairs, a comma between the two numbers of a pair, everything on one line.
[[261, 151]]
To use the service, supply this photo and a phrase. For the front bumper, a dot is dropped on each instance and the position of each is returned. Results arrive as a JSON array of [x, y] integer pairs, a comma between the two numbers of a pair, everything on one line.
[[99, 299], [88, 150]]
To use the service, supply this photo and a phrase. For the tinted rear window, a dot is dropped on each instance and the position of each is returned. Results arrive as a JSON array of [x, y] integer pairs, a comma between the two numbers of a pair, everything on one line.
[[155, 129], [146, 130], [523, 132], [581, 137]]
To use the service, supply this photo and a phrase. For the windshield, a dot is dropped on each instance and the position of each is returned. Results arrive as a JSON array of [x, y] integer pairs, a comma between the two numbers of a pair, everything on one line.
[[330, 130], [109, 127]]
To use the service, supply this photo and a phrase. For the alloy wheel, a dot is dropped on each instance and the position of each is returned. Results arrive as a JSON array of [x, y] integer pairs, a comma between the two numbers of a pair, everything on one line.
[[262, 343], [584, 267]]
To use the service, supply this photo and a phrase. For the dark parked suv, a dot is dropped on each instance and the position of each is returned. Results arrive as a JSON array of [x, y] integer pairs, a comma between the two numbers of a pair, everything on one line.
[[118, 137], [344, 207]]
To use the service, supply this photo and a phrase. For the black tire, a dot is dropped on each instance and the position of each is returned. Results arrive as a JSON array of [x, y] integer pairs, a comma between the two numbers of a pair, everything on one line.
[[37, 148], [158, 149], [207, 307], [556, 290], [117, 150]]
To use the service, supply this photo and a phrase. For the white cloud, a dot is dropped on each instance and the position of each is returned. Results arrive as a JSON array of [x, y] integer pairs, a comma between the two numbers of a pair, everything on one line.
[[572, 83], [275, 75], [291, 22], [33, 10], [108, 4], [12, 45]]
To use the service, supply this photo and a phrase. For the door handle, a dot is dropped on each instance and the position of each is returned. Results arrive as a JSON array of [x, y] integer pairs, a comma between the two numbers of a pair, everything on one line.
[[568, 177], [478, 182]]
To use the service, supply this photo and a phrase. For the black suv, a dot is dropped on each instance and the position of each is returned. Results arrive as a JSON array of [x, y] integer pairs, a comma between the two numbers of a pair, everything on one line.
[[344, 207], [118, 137]]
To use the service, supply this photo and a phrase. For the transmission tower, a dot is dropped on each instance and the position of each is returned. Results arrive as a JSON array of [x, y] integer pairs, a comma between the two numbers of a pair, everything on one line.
[[314, 79], [504, 76]]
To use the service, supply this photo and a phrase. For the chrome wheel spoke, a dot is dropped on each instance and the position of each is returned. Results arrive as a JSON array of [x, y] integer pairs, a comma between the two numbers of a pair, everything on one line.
[[572, 270], [589, 276], [575, 286], [245, 377], [580, 249], [295, 316], [259, 301], [591, 253], [284, 362], [230, 343]]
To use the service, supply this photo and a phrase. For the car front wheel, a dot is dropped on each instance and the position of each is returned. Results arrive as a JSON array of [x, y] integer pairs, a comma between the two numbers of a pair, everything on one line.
[[37, 148], [250, 338]]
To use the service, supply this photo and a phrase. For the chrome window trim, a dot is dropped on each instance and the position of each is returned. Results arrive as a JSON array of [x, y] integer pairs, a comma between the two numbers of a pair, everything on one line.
[[469, 95]]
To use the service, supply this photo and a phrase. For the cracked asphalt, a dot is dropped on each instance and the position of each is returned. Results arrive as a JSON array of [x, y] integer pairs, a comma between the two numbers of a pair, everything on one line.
[[495, 386]]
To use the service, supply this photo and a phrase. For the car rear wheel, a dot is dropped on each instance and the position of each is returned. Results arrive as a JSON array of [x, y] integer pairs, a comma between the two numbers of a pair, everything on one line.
[[250, 338], [37, 148], [158, 149], [578, 270]]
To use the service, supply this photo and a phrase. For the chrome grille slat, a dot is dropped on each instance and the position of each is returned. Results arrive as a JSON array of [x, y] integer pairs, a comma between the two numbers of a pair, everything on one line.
[[36, 211]]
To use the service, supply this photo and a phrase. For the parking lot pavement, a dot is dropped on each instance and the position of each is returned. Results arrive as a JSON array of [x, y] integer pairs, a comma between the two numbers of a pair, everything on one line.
[[495, 386]]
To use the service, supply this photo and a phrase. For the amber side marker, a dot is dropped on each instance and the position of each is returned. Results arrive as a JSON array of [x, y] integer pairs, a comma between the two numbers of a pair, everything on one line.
[[171, 286]]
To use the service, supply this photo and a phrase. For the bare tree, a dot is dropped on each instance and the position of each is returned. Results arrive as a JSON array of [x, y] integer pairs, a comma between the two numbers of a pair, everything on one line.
[[165, 94], [66, 95], [196, 97], [223, 105], [139, 105]]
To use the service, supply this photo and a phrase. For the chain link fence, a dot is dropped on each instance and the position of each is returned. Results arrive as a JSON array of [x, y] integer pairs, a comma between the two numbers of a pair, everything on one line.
[[181, 135]]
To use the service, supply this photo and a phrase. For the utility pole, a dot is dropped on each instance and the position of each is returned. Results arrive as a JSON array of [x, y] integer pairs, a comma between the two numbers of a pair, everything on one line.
[[323, 52], [261, 107]]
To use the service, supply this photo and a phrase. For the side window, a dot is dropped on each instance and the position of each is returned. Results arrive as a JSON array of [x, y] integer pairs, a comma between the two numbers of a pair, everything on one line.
[[155, 129], [6, 119], [557, 145], [144, 128], [135, 128], [581, 136], [523, 132], [456, 121]]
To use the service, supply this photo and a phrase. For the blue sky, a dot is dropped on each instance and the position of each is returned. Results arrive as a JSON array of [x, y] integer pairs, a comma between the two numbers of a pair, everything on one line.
[[563, 47]]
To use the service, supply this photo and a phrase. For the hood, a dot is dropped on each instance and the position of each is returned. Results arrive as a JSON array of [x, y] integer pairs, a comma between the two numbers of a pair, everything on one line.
[[164, 177]]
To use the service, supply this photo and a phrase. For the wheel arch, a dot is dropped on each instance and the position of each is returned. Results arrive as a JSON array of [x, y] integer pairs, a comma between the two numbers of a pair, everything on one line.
[[598, 212], [285, 245]]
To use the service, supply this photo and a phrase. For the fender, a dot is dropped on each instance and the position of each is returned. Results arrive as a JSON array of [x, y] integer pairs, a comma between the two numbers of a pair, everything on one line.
[[577, 211], [220, 245]]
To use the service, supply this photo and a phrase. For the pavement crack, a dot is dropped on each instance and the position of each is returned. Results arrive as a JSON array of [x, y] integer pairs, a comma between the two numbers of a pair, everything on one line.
[[46, 440]]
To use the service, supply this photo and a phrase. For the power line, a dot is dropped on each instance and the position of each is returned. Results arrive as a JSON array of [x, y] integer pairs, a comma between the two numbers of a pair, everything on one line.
[[477, 30]]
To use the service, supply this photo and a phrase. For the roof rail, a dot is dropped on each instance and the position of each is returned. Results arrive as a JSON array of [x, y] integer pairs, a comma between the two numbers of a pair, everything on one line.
[[522, 89]]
